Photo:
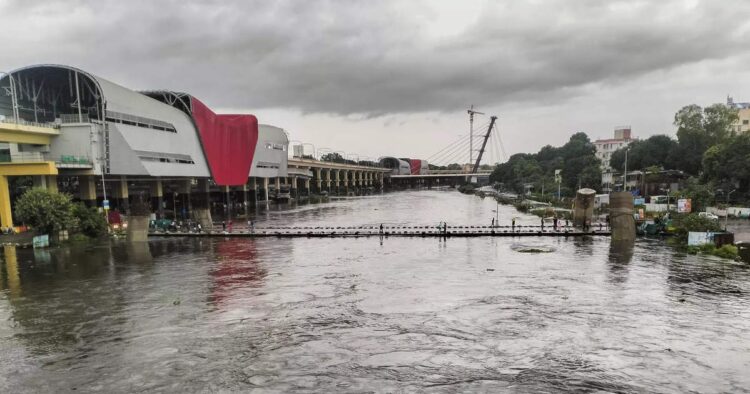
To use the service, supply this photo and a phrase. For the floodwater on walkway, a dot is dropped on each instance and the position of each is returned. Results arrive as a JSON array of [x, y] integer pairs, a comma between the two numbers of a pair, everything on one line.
[[371, 314]]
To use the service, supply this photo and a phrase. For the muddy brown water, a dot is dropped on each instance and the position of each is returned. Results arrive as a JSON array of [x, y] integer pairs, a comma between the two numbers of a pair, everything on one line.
[[374, 315]]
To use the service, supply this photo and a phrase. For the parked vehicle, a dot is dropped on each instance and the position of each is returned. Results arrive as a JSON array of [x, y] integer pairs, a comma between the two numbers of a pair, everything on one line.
[[708, 215]]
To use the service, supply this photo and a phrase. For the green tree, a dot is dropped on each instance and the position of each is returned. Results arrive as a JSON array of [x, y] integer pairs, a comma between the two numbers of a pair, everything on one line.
[[90, 221], [655, 151], [46, 211], [685, 223], [576, 159], [333, 157], [728, 163], [697, 130], [701, 195], [580, 165]]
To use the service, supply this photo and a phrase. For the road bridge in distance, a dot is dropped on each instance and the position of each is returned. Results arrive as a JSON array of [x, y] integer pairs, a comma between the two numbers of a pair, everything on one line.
[[396, 231], [440, 178]]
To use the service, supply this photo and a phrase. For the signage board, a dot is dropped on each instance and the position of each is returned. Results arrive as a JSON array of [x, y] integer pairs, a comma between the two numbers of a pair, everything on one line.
[[639, 201], [684, 205], [105, 204], [41, 241], [700, 238]]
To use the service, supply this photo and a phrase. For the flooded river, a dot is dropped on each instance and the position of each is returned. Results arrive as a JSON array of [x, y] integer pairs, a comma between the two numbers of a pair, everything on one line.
[[374, 315]]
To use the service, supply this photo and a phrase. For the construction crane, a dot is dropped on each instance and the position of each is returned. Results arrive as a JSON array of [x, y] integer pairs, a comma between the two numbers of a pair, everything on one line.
[[471, 113]]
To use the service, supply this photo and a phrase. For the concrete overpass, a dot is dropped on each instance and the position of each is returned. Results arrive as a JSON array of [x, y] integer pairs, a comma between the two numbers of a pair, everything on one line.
[[438, 178]]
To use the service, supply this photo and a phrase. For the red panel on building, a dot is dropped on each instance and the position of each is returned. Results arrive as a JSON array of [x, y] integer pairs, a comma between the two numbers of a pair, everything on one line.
[[416, 166], [228, 142]]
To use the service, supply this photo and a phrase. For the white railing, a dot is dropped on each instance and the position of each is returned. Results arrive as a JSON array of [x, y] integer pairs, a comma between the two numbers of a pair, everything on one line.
[[74, 118], [10, 120]]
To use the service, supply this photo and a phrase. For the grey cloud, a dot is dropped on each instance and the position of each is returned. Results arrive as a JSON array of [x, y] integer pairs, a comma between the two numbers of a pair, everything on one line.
[[356, 57]]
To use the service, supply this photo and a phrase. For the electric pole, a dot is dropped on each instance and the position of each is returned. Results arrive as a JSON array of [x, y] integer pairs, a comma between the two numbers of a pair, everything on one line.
[[471, 113]]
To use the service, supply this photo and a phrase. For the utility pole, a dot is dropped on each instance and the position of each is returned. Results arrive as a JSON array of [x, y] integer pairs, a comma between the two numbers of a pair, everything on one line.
[[471, 113], [625, 175]]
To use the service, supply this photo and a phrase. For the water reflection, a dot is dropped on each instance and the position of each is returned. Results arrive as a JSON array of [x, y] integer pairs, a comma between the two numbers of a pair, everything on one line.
[[237, 268], [620, 255]]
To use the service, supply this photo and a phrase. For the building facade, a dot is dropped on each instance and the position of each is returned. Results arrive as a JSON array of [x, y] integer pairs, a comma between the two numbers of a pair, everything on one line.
[[604, 150], [742, 125], [59, 121]]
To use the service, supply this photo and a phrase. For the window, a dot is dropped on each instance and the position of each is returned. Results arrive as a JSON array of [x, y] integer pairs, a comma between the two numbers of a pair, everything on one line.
[[267, 165], [746, 121], [275, 146], [138, 121], [165, 157]]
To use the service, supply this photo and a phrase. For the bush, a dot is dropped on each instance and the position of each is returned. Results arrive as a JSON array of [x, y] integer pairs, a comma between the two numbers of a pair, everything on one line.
[[727, 252], [45, 211], [685, 223], [90, 222]]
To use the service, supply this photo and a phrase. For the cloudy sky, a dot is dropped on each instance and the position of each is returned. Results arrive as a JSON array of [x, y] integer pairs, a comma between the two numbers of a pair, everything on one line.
[[396, 77]]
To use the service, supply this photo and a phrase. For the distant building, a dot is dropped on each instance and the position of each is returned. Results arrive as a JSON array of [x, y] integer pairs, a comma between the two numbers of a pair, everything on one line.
[[604, 150], [742, 124]]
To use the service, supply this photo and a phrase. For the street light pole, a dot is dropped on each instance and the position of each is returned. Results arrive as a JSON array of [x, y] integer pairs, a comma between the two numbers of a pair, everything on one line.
[[726, 210], [625, 175]]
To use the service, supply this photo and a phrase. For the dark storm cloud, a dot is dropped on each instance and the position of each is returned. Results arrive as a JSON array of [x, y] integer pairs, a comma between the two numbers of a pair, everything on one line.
[[371, 58]]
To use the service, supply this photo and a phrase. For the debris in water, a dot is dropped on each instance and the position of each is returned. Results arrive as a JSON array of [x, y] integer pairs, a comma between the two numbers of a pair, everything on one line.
[[531, 248]]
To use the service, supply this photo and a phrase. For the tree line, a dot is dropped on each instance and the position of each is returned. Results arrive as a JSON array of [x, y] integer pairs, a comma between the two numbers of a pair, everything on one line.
[[707, 149], [576, 159]]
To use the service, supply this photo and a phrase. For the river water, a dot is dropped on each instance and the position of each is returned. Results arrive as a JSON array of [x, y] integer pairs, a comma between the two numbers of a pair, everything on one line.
[[371, 314]]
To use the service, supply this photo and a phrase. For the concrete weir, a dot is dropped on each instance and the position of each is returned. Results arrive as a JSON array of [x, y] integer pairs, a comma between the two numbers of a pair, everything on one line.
[[405, 231]]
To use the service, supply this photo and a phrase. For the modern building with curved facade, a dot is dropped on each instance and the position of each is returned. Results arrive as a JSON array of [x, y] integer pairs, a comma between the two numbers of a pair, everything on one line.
[[396, 165], [58, 120], [405, 166]]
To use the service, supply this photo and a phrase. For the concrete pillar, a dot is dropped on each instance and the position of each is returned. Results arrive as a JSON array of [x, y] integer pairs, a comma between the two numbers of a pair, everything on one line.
[[345, 177], [201, 205], [265, 189], [621, 217], [583, 212], [246, 200], [278, 184], [87, 190], [307, 186], [120, 192], [6, 216], [227, 191], [40, 181], [157, 198], [52, 183], [185, 189], [293, 191], [328, 180], [254, 190], [319, 179]]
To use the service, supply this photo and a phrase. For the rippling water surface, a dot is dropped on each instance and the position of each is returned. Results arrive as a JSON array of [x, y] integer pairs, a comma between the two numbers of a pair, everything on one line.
[[370, 314]]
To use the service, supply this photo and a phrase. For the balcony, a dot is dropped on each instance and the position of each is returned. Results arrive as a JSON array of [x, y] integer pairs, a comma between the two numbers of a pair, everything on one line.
[[26, 132], [64, 161]]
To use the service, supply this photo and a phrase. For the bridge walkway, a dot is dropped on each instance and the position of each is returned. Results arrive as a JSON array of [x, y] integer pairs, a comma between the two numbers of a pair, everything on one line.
[[396, 231]]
